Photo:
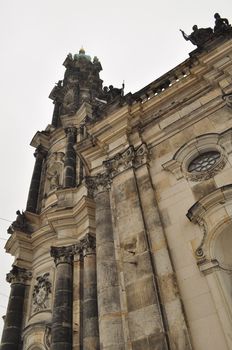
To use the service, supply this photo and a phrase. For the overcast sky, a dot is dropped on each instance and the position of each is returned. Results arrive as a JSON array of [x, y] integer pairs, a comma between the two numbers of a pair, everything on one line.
[[135, 41]]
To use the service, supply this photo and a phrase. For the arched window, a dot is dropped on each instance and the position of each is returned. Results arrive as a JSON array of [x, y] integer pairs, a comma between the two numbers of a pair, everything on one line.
[[214, 252]]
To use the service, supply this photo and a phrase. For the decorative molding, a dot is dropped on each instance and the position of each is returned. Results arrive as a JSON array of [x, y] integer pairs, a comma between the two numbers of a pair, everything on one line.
[[62, 255], [41, 293], [18, 275], [205, 175]]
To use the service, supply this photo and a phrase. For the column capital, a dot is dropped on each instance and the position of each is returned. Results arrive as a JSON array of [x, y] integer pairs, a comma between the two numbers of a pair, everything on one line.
[[71, 130], [88, 244], [18, 275], [131, 157], [98, 183], [63, 255], [40, 152]]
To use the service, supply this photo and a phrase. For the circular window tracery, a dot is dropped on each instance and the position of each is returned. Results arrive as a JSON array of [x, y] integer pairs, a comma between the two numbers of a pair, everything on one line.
[[204, 162]]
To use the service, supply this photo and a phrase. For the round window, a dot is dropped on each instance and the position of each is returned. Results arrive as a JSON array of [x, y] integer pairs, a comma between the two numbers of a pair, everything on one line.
[[204, 161]]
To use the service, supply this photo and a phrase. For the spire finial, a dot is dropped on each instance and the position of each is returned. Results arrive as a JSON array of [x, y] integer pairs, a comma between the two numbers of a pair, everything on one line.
[[82, 51]]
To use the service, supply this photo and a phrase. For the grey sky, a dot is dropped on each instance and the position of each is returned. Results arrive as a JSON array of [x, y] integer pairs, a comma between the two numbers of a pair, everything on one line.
[[136, 41]]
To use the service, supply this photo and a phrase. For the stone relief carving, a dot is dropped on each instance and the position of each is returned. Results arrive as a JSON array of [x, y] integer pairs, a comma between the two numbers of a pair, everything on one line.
[[54, 171], [41, 292]]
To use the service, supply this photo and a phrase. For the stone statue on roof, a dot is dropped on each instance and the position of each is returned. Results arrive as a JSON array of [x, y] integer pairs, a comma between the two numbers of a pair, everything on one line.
[[199, 36], [221, 25]]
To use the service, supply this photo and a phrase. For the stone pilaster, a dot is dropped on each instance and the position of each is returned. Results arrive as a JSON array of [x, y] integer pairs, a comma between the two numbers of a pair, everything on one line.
[[11, 336], [109, 308], [90, 308], [61, 331], [32, 200], [171, 307], [70, 159]]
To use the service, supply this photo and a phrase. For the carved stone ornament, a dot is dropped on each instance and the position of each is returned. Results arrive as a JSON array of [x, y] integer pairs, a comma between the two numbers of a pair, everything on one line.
[[47, 337], [131, 157], [41, 292], [63, 254], [20, 224], [54, 171], [228, 99], [88, 244], [18, 275], [217, 145], [98, 183]]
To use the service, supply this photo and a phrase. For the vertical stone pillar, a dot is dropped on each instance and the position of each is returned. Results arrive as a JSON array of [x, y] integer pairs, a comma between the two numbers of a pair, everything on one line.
[[61, 331], [56, 112], [77, 299], [109, 308], [32, 200], [90, 308], [70, 159], [11, 336], [165, 277]]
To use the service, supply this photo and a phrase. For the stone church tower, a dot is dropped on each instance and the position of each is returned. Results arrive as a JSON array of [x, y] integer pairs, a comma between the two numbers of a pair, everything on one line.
[[125, 243]]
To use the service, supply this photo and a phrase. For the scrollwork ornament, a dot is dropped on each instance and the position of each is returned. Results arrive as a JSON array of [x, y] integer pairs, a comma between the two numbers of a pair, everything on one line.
[[141, 155], [228, 99], [47, 337], [199, 252]]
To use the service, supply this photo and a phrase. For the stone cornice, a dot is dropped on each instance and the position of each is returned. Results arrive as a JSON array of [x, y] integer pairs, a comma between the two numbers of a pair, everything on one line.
[[78, 118], [41, 138]]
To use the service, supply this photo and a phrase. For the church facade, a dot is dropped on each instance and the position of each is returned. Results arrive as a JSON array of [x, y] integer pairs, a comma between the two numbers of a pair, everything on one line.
[[125, 243]]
